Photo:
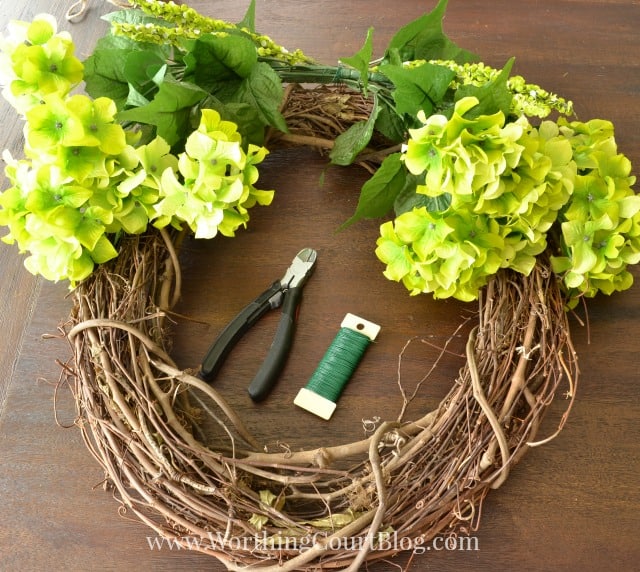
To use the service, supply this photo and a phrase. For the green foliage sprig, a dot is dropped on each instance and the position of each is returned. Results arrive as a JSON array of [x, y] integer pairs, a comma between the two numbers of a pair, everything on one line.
[[176, 23]]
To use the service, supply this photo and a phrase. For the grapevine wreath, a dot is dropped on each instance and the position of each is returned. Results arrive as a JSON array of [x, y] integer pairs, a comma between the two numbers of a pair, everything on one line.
[[489, 188]]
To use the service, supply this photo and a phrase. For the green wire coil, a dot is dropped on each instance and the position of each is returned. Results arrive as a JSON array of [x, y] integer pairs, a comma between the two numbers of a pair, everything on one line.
[[342, 357], [338, 363]]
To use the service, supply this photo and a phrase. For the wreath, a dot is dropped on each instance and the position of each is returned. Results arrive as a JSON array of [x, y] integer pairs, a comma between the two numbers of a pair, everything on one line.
[[490, 191]]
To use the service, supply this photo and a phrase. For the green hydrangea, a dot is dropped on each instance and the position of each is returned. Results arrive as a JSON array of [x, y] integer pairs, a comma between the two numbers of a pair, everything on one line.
[[458, 155], [445, 253], [47, 218], [35, 61], [601, 225], [508, 185], [66, 200], [213, 187], [65, 208], [504, 183]]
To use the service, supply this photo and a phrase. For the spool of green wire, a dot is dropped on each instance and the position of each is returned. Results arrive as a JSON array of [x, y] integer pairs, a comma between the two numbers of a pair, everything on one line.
[[341, 359]]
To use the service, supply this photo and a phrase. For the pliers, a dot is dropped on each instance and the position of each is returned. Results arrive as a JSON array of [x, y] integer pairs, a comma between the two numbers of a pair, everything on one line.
[[287, 293]]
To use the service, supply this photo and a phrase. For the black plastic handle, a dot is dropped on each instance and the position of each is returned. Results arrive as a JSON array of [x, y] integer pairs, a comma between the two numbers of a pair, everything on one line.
[[273, 364], [229, 337]]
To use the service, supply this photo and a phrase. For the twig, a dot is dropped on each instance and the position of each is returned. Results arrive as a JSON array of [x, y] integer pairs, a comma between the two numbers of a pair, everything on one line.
[[213, 394], [376, 468], [479, 396]]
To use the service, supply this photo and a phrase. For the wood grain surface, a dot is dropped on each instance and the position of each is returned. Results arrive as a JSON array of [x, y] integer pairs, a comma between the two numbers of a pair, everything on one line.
[[573, 504]]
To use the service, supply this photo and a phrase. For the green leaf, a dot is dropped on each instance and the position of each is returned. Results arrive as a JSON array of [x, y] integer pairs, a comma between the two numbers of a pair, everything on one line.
[[220, 61], [169, 110], [245, 116], [135, 98], [263, 91], [249, 20], [408, 199], [106, 72], [350, 143], [493, 96], [361, 60], [390, 124], [424, 38], [132, 16], [258, 520], [380, 191], [419, 88], [104, 75], [267, 497], [143, 69]]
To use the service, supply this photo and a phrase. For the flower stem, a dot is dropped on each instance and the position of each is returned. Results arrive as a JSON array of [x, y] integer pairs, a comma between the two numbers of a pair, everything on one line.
[[318, 74]]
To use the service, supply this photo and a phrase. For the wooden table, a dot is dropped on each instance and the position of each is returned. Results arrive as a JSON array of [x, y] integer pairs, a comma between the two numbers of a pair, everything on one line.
[[570, 505]]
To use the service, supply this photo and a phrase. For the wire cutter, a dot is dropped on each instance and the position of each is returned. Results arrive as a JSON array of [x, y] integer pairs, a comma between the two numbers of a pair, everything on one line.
[[287, 293]]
